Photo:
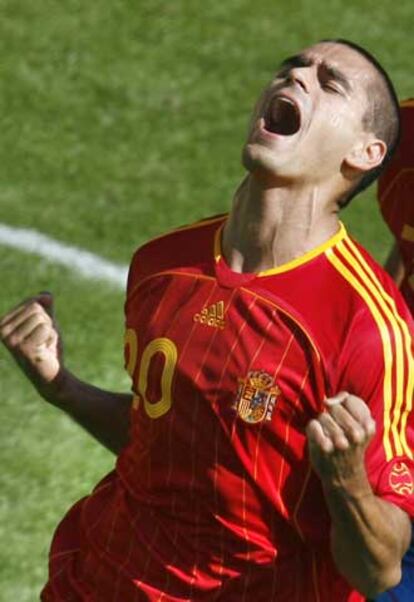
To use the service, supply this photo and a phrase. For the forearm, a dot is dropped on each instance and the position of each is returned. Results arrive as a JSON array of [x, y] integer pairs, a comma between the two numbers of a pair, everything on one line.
[[369, 536], [30, 334], [103, 414]]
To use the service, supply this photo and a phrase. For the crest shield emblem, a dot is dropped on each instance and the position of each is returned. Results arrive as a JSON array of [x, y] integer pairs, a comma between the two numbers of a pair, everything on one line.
[[401, 479], [256, 397]]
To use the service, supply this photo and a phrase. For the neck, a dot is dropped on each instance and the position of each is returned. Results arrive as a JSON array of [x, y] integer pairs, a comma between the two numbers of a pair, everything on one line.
[[271, 226]]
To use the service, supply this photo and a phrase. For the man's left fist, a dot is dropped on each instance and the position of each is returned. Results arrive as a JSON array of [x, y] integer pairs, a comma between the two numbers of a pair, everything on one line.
[[338, 438]]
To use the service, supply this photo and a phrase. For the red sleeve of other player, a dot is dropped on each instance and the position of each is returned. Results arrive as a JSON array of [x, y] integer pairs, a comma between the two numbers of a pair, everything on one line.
[[396, 183]]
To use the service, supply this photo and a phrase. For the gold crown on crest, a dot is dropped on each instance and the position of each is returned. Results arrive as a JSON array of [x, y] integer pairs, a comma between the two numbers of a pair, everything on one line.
[[260, 379]]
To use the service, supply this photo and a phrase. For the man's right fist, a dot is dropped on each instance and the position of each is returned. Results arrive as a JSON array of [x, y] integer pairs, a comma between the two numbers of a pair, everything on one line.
[[30, 334]]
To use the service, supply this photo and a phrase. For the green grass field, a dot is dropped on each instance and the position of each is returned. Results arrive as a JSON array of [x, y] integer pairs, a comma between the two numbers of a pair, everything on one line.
[[120, 120]]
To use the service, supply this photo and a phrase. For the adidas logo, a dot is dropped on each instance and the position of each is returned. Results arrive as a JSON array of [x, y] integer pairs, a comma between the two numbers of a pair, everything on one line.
[[212, 315]]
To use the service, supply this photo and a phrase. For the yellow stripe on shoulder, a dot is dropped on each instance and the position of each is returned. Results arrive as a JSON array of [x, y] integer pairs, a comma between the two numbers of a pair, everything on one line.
[[355, 259], [345, 272], [404, 353]]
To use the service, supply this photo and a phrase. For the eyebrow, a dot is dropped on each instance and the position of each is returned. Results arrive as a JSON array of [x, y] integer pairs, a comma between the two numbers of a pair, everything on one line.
[[296, 60], [301, 60], [338, 76]]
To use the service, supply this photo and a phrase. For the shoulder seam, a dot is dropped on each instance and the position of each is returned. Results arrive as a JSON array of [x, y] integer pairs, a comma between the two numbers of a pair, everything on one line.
[[198, 224]]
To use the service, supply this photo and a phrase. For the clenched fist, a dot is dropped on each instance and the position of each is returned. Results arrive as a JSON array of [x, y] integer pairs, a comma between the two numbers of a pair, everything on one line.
[[30, 334], [338, 438]]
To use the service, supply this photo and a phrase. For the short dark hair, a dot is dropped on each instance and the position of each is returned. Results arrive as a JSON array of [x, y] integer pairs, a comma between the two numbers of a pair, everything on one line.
[[382, 117]]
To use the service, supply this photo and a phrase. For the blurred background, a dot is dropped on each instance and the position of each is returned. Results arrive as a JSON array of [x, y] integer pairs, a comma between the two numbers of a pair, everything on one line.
[[120, 120]]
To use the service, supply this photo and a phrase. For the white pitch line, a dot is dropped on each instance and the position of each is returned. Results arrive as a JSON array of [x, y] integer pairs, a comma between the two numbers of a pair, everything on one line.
[[83, 262]]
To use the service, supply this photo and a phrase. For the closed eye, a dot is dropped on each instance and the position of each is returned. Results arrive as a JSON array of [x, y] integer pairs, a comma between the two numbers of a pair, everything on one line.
[[332, 87], [333, 80]]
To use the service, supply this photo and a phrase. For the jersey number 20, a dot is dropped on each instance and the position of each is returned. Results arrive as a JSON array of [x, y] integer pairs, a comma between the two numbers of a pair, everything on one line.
[[169, 351]]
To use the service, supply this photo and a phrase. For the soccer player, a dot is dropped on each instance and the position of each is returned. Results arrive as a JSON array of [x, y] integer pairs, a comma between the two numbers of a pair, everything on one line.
[[266, 451], [395, 195]]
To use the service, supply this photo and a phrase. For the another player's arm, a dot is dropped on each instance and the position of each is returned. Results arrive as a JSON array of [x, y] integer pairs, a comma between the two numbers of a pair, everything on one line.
[[30, 334], [394, 265], [369, 535]]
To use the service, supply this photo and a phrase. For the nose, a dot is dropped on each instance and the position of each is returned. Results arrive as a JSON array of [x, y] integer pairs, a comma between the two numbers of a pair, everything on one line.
[[302, 77]]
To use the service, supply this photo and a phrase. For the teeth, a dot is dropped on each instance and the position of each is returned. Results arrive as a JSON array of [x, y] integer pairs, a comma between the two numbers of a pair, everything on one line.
[[288, 100], [279, 102]]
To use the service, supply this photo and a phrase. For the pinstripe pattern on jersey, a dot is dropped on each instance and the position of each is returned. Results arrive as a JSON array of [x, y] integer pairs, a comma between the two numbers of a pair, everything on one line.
[[124, 564], [145, 561], [131, 365], [193, 454], [235, 421], [304, 484], [186, 344], [167, 582], [121, 568], [216, 443], [299, 502], [170, 273], [90, 528], [301, 327], [259, 436], [100, 576], [349, 262], [266, 300], [253, 299]]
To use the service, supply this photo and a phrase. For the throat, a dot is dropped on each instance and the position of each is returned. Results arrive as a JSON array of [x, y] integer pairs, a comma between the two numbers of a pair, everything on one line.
[[273, 230], [253, 256]]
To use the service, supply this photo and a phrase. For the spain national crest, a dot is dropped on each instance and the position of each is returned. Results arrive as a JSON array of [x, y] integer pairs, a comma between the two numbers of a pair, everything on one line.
[[256, 397]]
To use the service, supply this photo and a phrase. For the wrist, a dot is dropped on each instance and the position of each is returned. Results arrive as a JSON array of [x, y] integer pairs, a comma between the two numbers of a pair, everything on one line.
[[57, 391], [351, 487]]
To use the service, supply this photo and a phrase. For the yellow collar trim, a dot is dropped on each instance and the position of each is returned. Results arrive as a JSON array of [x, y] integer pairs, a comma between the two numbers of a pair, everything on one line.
[[331, 242]]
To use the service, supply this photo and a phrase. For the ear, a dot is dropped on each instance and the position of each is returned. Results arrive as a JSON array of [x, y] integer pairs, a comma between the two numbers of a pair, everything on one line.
[[366, 154]]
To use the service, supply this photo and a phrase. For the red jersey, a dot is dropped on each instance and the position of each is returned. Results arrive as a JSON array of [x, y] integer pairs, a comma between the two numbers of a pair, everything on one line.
[[214, 499], [395, 194]]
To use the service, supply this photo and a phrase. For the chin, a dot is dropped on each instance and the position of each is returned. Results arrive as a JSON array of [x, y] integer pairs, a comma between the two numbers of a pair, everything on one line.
[[257, 156], [261, 161]]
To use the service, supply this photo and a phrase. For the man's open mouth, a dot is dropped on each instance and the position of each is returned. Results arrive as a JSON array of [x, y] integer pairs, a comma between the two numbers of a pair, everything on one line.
[[282, 116]]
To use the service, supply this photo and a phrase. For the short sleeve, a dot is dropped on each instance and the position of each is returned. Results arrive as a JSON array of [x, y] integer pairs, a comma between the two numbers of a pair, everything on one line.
[[378, 366]]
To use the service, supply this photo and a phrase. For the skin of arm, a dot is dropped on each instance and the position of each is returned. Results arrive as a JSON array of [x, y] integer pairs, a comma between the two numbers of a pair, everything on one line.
[[369, 535], [394, 265], [30, 333]]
